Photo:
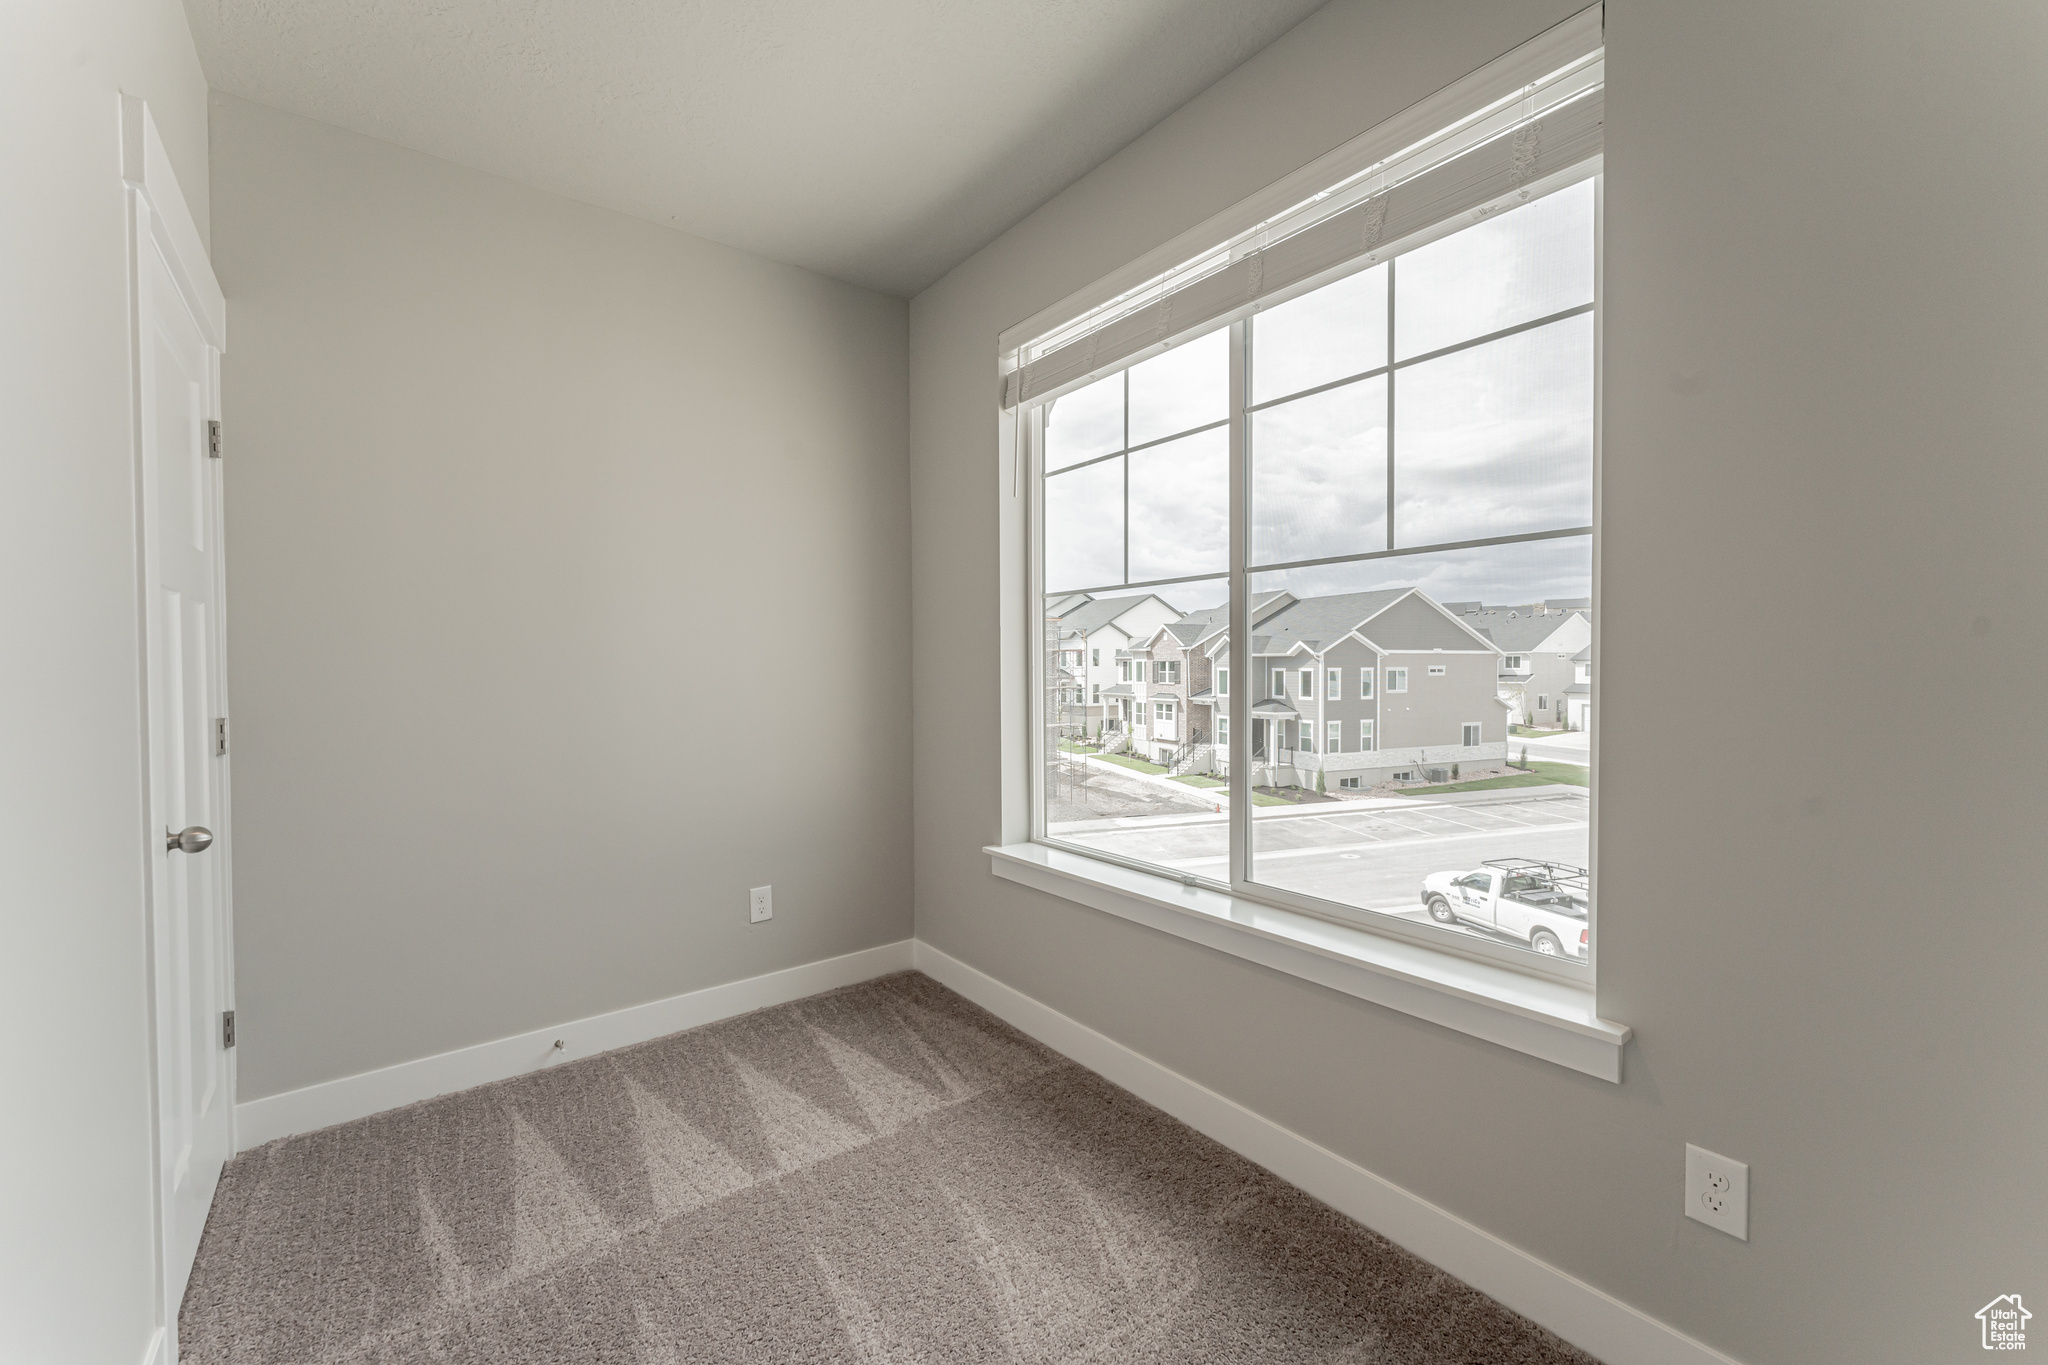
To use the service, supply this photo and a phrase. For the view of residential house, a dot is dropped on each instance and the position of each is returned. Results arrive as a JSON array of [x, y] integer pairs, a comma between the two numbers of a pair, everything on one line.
[[1090, 634], [1579, 695], [1349, 691], [1538, 642]]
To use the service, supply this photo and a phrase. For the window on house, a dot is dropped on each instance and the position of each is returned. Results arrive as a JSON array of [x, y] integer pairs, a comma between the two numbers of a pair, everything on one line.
[[1095, 658], [1542, 702], [1415, 429], [1095, 694], [1162, 711], [1349, 783]]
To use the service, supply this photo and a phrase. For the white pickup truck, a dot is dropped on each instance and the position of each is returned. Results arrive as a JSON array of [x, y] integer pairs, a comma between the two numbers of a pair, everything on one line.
[[1537, 903]]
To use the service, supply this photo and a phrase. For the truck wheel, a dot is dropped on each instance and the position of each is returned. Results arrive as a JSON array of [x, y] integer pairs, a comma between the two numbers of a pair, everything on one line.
[[1545, 942], [1440, 910]]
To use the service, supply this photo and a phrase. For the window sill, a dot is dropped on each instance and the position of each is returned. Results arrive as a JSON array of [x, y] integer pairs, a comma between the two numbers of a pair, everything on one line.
[[1555, 1020]]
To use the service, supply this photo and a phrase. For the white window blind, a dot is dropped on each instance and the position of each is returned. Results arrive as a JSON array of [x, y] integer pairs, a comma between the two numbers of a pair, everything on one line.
[[1542, 134]]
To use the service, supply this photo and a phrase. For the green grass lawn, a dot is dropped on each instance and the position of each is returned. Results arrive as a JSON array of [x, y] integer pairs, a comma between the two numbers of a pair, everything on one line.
[[1525, 732], [1258, 798], [1541, 774], [1135, 764]]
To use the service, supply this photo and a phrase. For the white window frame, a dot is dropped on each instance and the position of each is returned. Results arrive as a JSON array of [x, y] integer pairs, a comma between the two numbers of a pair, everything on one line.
[[1365, 741], [1094, 657], [1508, 999], [1279, 683], [1512, 663], [1222, 682], [1365, 684], [1162, 712], [1333, 742], [1095, 694], [1397, 680], [1473, 728], [1333, 684], [1308, 684]]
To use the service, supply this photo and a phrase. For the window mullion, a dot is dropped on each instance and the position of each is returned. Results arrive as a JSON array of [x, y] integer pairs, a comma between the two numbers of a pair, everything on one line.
[[1239, 652], [1392, 266]]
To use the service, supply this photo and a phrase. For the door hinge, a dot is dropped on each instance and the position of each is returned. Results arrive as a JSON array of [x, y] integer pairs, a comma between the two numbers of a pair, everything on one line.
[[220, 735], [213, 439], [227, 1028]]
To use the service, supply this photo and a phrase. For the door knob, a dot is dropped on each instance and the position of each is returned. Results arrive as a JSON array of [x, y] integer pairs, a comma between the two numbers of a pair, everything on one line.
[[191, 839]]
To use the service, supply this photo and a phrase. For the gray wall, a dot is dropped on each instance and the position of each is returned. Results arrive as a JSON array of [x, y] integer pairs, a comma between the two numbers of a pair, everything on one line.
[[512, 483], [1827, 313], [75, 1150]]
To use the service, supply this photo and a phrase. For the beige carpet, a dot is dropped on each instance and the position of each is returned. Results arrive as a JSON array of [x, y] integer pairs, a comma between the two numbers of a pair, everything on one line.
[[881, 1174]]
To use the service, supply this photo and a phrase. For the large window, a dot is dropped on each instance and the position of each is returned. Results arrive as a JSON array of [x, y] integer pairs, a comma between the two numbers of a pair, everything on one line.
[[1388, 471]]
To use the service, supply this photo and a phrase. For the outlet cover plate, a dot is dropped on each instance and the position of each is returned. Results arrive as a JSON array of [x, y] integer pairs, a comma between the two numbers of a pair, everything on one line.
[[760, 904], [1717, 1191]]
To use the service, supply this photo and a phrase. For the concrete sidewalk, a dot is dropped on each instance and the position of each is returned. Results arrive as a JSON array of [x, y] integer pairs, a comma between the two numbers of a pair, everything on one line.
[[1220, 797]]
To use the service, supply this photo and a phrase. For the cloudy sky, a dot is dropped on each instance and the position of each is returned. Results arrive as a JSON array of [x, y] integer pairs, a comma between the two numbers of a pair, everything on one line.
[[1493, 440]]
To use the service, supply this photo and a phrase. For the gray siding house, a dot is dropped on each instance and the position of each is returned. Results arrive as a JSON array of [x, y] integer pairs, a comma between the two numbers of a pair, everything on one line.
[[1356, 689], [1537, 641]]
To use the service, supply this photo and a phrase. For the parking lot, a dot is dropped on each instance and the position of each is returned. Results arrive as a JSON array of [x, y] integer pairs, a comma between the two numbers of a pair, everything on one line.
[[1368, 854]]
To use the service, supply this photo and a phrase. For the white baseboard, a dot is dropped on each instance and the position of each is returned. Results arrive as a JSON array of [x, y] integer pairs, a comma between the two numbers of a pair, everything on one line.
[[1595, 1322], [372, 1092]]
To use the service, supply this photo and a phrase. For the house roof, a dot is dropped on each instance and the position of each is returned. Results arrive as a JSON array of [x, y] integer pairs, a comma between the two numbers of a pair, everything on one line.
[[1207, 694], [1317, 623], [1516, 629], [1275, 706], [1584, 656], [1578, 689], [1119, 690], [1098, 612]]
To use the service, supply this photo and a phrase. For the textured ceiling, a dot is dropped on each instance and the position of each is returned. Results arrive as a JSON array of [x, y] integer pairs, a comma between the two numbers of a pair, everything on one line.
[[880, 141]]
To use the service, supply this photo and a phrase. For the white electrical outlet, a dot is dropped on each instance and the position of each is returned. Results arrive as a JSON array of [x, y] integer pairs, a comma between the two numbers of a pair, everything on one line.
[[1717, 1191], [761, 904]]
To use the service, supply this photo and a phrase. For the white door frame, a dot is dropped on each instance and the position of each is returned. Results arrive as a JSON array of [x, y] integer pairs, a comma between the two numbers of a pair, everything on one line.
[[159, 220]]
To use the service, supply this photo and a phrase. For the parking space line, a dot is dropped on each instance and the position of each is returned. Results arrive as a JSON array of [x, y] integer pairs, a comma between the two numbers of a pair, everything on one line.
[[1384, 843]]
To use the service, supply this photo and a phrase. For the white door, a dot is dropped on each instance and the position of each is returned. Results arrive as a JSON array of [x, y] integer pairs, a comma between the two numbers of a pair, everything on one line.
[[181, 498]]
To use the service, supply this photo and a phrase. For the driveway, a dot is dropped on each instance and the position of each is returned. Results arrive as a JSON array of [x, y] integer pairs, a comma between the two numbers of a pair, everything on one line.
[[1569, 746]]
